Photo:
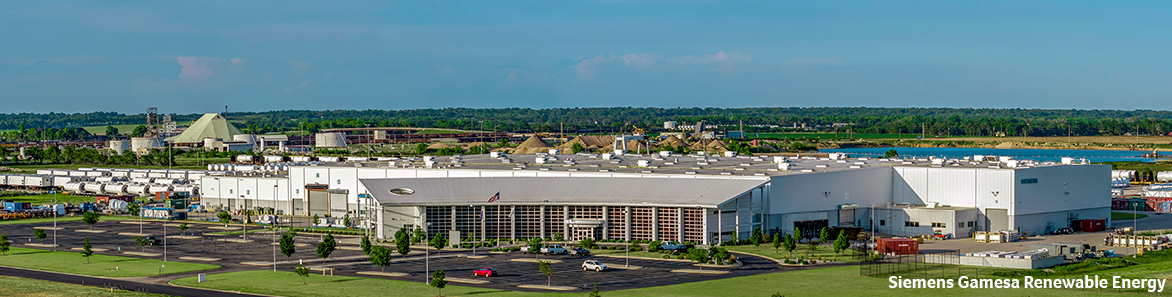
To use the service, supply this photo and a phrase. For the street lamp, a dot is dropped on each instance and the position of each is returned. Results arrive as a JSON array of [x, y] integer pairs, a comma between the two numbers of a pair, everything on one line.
[[273, 235], [244, 222], [426, 258], [54, 221]]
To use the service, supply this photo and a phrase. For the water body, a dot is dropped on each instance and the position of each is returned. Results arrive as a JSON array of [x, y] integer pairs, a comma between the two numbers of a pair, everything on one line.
[[1041, 155]]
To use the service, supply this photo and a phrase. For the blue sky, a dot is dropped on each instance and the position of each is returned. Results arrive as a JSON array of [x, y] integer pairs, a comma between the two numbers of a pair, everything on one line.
[[197, 56]]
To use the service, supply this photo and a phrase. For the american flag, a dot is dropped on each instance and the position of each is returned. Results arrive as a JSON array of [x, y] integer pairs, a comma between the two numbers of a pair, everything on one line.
[[494, 198]]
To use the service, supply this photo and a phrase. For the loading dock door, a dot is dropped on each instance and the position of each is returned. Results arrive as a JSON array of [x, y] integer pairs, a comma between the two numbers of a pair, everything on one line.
[[998, 219], [338, 202], [318, 203], [846, 217]]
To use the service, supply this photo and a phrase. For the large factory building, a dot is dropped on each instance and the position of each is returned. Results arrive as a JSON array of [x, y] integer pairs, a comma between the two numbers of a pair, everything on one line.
[[688, 198]]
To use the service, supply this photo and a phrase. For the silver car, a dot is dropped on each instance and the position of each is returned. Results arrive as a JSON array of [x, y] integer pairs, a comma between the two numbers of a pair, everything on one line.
[[593, 265]]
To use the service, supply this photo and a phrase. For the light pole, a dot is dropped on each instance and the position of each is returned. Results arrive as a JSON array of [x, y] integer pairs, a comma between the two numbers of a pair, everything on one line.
[[426, 258], [54, 221], [273, 235], [243, 222], [165, 240]]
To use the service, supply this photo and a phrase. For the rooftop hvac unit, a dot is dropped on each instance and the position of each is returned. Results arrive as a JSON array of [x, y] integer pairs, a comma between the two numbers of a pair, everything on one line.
[[607, 156], [730, 154], [784, 166], [554, 151], [665, 153], [644, 163]]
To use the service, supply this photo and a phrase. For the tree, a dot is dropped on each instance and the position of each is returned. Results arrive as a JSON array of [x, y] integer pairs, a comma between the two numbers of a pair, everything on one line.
[[326, 246], [380, 256], [418, 236], [421, 148], [891, 153], [577, 148], [790, 243], [111, 132], [734, 239], [142, 242], [797, 234], [547, 271], [4, 244], [534, 245], [558, 237], [133, 208], [654, 246], [698, 255], [365, 245], [402, 242], [439, 242], [438, 282], [91, 218], [824, 236], [316, 220], [841, 243], [587, 243], [86, 249], [288, 246], [139, 131], [778, 240], [594, 293], [302, 271], [224, 217], [182, 227], [40, 234], [756, 238]]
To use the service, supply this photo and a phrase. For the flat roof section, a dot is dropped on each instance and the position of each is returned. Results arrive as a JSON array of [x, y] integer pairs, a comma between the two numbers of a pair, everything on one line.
[[559, 190]]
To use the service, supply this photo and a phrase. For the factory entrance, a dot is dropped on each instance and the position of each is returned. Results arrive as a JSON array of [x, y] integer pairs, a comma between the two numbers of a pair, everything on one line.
[[317, 200], [998, 219], [580, 229], [811, 228]]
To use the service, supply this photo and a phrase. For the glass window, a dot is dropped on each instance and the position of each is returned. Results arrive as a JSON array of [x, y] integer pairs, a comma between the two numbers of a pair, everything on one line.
[[317, 175], [882, 222], [247, 192]]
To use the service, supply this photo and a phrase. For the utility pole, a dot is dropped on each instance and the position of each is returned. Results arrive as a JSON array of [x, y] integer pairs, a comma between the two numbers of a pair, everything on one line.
[[921, 131]]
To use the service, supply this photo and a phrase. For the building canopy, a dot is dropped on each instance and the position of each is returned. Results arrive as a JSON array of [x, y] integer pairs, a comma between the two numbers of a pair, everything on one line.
[[686, 192]]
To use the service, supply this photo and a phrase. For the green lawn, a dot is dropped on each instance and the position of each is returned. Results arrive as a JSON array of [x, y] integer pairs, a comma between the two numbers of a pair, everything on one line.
[[63, 219], [834, 281], [16, 286], [100, 265], [825, 251], [1115, 216], [634, 253], [48, 199]]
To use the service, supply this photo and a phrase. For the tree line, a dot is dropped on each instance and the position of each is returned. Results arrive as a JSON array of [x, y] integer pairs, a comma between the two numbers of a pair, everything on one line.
[[929, 121]]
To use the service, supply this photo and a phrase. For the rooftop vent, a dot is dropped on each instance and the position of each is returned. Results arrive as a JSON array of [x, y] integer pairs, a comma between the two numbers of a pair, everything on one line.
[[402, 191]]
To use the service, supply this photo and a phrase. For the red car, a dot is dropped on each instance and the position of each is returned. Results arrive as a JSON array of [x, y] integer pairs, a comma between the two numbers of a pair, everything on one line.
[[485, 272]]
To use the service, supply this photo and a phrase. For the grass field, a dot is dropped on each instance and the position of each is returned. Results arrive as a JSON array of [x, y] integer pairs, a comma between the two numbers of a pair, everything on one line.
[[825, 251], [1115, 216], [15, 286], [62, 219], [48, 199], [100, 265], [834, 281]]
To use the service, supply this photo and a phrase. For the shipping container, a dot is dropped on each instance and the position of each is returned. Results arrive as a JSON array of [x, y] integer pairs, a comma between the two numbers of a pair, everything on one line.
[[1089, 225], [898, 246]]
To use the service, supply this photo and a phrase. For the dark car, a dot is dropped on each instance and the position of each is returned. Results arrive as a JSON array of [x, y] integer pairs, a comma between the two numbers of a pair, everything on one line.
[[151, 240], [485, 272], [579, 252]]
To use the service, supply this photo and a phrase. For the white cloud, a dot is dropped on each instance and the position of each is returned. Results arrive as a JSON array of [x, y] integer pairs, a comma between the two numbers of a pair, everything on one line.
[[641, 61], [196, 67], [586, 68]]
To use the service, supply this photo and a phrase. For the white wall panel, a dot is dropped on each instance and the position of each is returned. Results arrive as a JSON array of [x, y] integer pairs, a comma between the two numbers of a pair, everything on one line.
[[1065, 187]]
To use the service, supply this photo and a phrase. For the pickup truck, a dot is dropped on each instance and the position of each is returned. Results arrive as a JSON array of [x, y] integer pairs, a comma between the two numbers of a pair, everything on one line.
[[554, 250], [579, 252], [673, 246]]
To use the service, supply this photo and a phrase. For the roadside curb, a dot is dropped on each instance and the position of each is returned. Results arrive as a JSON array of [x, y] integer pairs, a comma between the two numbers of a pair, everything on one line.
[[643, 258]]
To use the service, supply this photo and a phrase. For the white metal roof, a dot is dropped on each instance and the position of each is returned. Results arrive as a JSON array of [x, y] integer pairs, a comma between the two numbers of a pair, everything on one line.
[[561, 190]]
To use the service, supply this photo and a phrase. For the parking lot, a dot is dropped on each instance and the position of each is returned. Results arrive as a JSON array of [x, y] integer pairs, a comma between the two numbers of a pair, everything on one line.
[[347, 260]]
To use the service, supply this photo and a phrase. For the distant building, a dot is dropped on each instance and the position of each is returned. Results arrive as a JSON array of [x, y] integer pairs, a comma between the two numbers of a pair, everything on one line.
[[669, 125]]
